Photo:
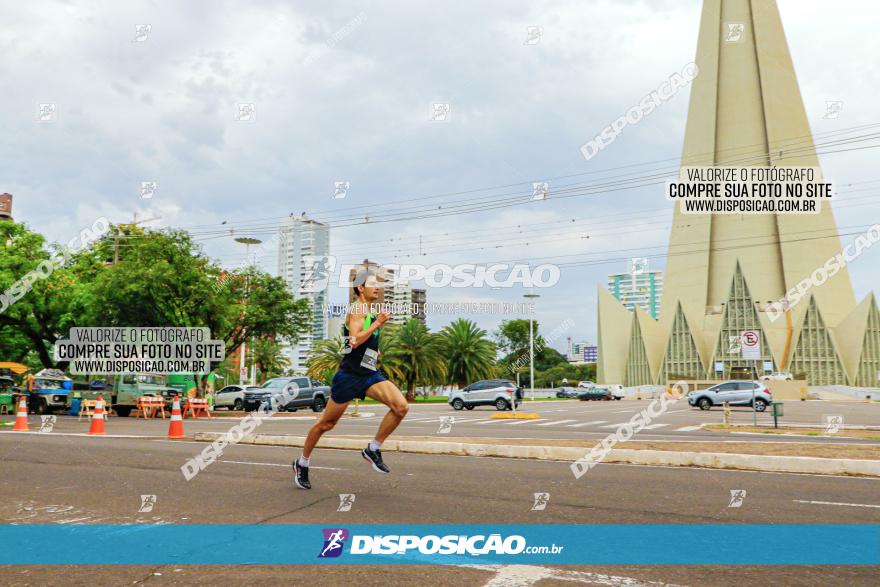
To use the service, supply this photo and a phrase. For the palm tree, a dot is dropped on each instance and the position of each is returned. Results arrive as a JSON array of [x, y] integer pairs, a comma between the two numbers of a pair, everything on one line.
[[469, 354], [268, 354], [324, 359], [387, 346], [416, 354]]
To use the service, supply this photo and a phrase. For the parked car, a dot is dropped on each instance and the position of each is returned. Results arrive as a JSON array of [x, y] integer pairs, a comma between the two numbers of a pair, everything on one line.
[[288, 394], [587, 384], [566, 392], [778, 376], [500, 393], [231, 397], [595, 393], [736, 393], [616, 390]]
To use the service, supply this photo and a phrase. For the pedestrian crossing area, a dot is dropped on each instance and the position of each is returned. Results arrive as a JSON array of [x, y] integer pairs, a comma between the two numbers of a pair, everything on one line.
[[543, 422]]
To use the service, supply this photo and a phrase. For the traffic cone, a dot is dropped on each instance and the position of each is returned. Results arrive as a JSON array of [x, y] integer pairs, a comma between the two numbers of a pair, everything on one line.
[[97, 427], [175, 429], [21, 417]]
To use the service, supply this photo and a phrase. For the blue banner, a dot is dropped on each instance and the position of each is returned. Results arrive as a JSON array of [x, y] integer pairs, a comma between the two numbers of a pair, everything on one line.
[[568, 544]]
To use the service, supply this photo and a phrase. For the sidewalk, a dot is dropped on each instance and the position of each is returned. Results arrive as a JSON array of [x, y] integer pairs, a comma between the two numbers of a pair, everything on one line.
[[790, 457]]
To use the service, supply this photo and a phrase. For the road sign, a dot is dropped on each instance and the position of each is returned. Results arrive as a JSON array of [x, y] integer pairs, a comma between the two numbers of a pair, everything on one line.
[[719, 366], [768, 365], [751, 344]]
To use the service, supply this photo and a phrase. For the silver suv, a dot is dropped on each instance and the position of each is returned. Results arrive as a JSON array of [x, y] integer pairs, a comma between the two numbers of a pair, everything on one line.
[[736, 393], [232, 396], [491, 392]]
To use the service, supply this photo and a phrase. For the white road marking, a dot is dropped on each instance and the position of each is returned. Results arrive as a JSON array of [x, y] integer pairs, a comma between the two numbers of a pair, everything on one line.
[[555, 422], [490, 421], [518, 422], [527, 575], [653, 426], [582, 424], [688, 429], [278, 465], [855, 505], [612, 425]]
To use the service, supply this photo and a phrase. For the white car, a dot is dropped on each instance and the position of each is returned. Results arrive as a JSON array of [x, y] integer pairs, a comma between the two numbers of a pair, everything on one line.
[[231, 397], [586, 385], [616, 390], [778, 376]]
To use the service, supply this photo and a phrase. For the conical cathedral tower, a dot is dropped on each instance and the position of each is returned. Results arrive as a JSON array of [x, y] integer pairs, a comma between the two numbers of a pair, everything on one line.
[[723, 270]]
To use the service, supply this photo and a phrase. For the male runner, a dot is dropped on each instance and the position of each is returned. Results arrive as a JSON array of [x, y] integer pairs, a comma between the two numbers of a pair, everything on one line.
[[358, 377]]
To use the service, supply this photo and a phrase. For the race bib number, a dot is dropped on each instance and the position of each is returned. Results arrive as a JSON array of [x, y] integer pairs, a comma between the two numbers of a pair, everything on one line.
[[369, 360]]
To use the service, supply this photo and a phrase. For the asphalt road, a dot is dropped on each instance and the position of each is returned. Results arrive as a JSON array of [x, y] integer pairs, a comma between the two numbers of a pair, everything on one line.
[[562, 420], [60, 479]]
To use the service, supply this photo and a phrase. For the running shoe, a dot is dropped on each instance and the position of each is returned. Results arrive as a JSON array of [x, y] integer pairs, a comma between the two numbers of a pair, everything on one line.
[[301, 475], [374, 457]]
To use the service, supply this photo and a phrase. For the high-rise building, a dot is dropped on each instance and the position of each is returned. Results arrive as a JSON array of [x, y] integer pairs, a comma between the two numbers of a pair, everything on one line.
[[303, 263], [401, 298], [638, 290], [723, 269], [419, 299], [5, 206]]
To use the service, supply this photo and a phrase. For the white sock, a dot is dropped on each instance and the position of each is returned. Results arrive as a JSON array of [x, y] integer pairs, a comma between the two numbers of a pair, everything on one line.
[[375, 444], [303, 462]]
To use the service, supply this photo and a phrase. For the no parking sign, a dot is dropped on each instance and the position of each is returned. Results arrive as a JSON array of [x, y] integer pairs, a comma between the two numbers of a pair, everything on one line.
[[751, 344]]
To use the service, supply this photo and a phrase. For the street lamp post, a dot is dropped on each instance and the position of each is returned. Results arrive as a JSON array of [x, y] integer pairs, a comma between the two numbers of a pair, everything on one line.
[[247, 242], [531, 296]]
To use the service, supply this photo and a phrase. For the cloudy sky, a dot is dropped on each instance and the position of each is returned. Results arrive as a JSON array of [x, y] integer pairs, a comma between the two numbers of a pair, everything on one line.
[[344, 92]]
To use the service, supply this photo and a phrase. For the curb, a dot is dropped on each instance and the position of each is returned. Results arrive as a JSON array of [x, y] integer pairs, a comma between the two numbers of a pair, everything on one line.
[[741, 462]]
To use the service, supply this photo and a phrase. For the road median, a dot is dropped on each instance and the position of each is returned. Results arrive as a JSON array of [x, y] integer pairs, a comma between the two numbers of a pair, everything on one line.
[[850, 459]]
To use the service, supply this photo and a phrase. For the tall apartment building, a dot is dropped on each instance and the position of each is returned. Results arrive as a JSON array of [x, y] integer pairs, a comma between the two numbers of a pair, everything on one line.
[[638, 289], [303, 251], [419, 299]]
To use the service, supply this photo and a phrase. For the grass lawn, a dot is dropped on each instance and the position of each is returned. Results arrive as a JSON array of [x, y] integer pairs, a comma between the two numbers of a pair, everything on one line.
[[441, 399], [437, 399]]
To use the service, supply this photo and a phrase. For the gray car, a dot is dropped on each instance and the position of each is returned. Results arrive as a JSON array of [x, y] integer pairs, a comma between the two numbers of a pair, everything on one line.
[[287, 394], [736, 393], [491, 392]]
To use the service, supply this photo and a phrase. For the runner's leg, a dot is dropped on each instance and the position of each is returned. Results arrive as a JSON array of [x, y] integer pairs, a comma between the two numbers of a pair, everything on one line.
[[387, 393], [329, 417]]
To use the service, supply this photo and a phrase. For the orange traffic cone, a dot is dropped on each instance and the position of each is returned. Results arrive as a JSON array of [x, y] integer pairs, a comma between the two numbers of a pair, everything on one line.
[[21, 417], [97, 426], [175, 429]]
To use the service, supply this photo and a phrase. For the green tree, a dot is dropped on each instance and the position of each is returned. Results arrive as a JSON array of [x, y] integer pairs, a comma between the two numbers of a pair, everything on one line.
[[416, 354], [162, 278], [513, 339], [469, 354], [43, 290]]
